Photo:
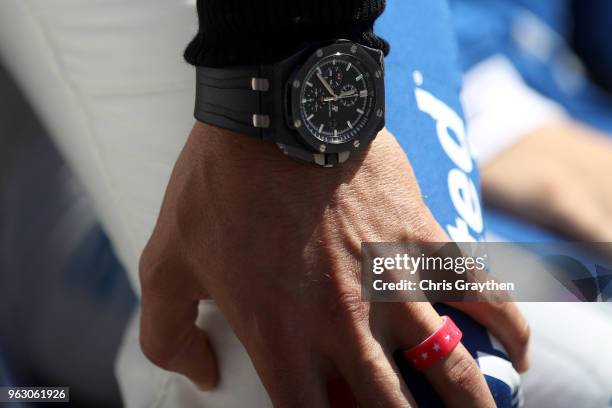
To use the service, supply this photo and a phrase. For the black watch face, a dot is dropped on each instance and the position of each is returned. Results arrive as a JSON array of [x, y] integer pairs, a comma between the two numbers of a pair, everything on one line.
[[337, 97]]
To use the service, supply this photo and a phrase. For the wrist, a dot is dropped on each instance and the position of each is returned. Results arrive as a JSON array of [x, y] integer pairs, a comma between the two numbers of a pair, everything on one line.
[[238, 154]]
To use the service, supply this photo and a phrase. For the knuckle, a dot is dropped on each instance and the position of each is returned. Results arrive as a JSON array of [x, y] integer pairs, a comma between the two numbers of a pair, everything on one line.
[[430, 230], [465, 373], [144, 271], [370, 357], [553, 193], [523, 336], [160, 260], [422, 226], [155, 355], [148, 268], [348, 309], [158, 273], [498, 308]]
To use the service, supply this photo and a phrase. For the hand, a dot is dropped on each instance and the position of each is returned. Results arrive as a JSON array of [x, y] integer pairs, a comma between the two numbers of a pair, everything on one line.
[[343, 95], [326, 85], [276, 243], [559, 177]]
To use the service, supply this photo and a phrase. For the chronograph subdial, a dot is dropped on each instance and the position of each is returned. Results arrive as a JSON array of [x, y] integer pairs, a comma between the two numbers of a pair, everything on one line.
[[313, 99], [349, 95]]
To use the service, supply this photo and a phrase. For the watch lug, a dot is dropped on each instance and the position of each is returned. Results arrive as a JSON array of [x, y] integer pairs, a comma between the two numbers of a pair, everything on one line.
[[377, 54], [343, 156], [322, 159]]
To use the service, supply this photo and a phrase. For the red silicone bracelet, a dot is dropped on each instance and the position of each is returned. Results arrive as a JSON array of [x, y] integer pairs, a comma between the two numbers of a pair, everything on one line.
[[435, 347]]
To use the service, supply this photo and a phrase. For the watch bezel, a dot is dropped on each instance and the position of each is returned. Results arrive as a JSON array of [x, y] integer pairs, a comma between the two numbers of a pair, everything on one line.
[[369, 131]]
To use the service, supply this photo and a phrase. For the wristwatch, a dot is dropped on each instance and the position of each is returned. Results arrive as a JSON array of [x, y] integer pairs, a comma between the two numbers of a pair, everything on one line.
[[319, 105]]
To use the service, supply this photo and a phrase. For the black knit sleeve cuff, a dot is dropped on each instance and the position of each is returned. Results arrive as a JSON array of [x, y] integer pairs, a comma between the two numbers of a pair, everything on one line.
[[241, 32]]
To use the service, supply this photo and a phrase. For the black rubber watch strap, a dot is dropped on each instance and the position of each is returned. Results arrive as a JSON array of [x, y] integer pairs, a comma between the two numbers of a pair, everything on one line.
[[232, 98], [259, 101]]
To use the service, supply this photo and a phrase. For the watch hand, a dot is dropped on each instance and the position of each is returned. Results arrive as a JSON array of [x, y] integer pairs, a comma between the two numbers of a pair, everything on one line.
[[348, 94], [341, 96], [326, 84]]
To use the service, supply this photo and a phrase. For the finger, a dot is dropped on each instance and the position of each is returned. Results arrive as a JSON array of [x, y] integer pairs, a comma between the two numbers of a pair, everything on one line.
[[506, 323], [370, 373], [456, 378], [459, 381], [578, 213], [169, 336], [286, 359], [289, 379], [555, 196]]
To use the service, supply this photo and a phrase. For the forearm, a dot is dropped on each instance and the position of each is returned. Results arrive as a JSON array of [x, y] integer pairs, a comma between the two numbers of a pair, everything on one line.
[[238, 32]]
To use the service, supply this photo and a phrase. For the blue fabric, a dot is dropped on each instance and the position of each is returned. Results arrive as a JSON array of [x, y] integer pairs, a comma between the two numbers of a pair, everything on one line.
[[422, 44], [485, 28], [424, 61]]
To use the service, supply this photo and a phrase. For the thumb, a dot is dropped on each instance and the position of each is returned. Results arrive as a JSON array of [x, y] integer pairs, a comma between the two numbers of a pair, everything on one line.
[[169, 336]]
